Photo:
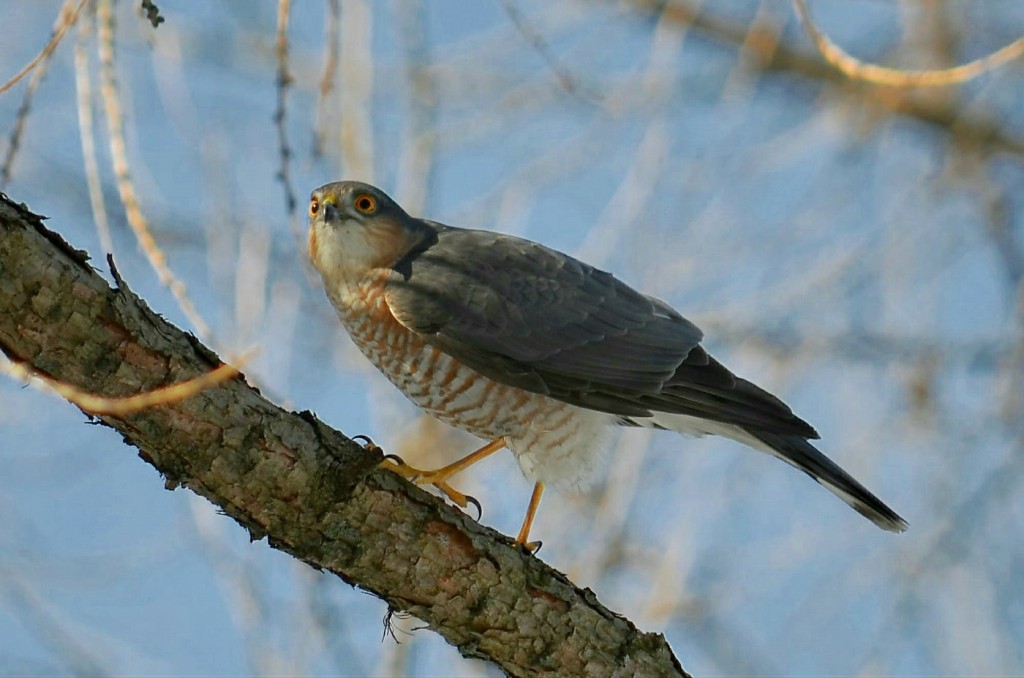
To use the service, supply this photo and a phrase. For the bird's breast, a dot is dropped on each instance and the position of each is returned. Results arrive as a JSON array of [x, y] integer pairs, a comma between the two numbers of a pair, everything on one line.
[[429, 377], [553, 441]]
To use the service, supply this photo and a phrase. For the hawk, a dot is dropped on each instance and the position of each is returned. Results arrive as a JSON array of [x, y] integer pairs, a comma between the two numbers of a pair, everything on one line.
[[533, 350]]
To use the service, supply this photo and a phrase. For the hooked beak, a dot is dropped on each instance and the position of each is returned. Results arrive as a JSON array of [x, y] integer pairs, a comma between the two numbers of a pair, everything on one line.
[[329, 212]]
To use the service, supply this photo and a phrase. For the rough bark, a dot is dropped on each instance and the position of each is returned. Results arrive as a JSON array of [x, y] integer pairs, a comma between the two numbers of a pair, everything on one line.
[[308, 489]]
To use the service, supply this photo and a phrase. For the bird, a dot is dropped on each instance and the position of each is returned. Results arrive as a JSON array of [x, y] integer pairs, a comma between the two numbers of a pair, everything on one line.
[[533, 350]]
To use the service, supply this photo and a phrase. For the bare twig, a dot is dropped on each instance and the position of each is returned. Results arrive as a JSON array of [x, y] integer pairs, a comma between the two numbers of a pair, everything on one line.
[[79, 656], [126, 188], [974, 129], [37, 66], [284, 79], [119, 407], [21, 118], [856, 69], [566, 79], [65, 20], [83, 88]]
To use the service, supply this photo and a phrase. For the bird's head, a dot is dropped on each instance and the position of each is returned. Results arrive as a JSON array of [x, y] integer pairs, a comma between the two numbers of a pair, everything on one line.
[[355, 227]]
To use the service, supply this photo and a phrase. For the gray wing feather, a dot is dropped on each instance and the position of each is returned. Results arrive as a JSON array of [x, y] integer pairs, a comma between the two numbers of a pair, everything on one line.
[[535, 318]]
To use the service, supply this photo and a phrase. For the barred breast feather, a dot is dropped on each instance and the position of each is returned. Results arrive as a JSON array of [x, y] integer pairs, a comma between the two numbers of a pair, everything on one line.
[[553, 441]]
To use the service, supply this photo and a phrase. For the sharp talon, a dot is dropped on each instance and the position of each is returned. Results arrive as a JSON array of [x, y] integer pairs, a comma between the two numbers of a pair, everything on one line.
[[530, 547], [456, 497], [369, 445], [531, 513], [438, 479], [479, 508]]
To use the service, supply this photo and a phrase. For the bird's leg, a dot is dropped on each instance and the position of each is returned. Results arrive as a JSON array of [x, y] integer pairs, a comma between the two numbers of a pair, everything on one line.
[[531, 513], [438, 478]]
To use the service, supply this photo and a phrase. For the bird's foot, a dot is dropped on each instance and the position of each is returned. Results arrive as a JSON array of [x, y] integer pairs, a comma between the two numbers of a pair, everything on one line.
[[522, 540], [530, 547], [437, 479]]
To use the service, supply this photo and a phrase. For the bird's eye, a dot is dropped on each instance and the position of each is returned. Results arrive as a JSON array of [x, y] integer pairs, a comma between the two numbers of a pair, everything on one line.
[[314, 207], [366, 203]]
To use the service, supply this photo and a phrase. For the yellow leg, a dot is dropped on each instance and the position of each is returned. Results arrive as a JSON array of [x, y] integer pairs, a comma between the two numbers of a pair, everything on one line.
[[439, 477], [531, 513], [443, 473]]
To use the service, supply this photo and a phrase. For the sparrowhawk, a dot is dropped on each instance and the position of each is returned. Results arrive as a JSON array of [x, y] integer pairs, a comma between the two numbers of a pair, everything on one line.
[[533, 350]]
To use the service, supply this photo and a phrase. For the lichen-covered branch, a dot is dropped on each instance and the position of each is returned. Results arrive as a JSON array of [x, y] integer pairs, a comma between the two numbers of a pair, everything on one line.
[[306, 487]]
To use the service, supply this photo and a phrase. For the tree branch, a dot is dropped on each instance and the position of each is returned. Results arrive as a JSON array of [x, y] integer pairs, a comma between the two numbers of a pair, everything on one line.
[[952, 117], [311, 491]]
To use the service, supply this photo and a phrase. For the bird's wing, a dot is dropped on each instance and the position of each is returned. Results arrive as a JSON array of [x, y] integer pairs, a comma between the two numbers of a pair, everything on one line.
[[531, 317]]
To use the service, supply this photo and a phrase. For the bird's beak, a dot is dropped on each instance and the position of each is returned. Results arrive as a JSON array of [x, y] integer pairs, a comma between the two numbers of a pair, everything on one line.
[[329, 212]]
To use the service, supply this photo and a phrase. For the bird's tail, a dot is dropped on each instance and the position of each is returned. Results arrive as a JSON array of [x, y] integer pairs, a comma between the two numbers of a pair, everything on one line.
[[796, 451], [791, 448]]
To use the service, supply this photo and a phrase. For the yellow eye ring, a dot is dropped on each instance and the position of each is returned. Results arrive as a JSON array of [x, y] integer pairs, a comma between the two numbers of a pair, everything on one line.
[[365, 203], [314, 208]]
